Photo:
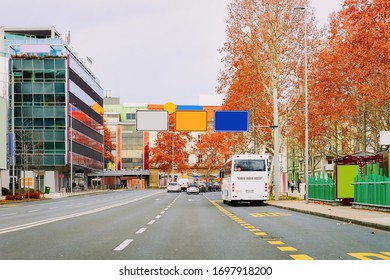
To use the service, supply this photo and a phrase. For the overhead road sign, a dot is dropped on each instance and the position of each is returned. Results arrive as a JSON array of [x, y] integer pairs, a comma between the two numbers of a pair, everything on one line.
[[191, 120], [231, 121], [152, 120], [189, 108]]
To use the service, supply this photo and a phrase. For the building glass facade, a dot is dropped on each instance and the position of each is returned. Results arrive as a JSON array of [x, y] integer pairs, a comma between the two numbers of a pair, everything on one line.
[[57, 108], [121, 120]]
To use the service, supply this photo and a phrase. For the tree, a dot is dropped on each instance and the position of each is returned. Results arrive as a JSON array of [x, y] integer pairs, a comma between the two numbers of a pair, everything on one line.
[[108, 145], [215, 150], [263, 53], [350, 80], [170, 146]]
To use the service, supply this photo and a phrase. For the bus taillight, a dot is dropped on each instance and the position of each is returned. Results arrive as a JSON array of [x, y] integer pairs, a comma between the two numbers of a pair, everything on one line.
[[232, 187]]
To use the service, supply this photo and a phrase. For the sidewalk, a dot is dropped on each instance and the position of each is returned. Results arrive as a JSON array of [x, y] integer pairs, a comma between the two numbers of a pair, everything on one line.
[[375, 219]]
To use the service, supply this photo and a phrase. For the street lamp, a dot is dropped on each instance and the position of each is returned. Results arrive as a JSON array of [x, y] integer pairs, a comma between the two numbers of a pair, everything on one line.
[[71, 147], [306, 109]]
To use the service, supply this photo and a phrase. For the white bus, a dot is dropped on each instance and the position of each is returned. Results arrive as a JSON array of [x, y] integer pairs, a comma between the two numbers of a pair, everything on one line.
[[245, 179]]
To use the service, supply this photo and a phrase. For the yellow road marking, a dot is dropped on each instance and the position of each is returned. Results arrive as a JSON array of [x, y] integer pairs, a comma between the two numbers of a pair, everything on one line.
[[276, 242], [258, 232], [261, 233], [269, 214], [301, 257], [286, 248], [371, 256]]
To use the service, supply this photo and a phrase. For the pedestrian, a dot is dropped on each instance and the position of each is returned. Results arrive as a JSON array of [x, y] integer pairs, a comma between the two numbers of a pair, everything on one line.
[[299, 184], [292, 186]]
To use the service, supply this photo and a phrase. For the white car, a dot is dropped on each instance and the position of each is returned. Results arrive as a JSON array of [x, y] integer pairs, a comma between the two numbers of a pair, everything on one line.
[[173, 187], [193, 189]]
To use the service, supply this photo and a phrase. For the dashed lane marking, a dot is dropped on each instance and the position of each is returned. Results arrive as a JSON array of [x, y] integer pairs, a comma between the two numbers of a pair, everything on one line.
[[286, 248], [301, 257], [276, 242], [123, 245], [269, 214], [151, 222], [258, 232], [141, 230]]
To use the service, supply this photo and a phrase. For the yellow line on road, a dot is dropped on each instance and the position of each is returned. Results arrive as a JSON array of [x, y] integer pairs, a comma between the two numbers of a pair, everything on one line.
[[301, 257], [261, 233], [286, 248], [276, 242]]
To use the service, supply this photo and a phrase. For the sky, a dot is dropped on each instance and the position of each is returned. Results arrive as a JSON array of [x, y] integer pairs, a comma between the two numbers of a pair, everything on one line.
[[144, 51]]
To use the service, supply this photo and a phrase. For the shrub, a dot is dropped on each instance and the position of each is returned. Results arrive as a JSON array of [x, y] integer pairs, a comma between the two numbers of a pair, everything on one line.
[[34, 195], [13, 197]]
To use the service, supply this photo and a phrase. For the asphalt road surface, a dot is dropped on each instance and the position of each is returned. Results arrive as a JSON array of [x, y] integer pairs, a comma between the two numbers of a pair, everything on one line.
[[156, 225]]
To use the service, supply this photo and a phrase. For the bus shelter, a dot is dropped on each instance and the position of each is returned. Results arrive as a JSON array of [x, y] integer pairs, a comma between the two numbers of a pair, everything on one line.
[[347, 168]]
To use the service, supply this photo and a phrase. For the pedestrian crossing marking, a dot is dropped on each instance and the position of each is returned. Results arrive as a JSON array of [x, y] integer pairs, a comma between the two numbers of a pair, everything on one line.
[[371, 256], [301, 257], [269, 214]]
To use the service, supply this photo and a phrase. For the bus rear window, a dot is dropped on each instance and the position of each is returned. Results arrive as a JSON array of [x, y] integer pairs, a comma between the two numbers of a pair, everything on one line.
[[249, 165]]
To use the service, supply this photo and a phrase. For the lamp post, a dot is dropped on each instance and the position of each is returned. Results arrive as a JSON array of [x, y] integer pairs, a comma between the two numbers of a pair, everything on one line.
[[173, 155], [71, 147], [306, 109]]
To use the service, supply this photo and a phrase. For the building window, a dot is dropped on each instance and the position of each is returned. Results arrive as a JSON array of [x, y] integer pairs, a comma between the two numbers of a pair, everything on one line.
[[186, 158], [200, 158], [130, 116]]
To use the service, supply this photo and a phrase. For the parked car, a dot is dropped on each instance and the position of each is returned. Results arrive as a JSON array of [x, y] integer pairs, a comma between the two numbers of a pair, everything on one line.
[[193, 189], [173, 187], [202, 187], [215, 187], [183, 186]]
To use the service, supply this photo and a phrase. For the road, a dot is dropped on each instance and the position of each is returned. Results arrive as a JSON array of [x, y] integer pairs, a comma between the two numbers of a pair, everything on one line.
[[156, 225]]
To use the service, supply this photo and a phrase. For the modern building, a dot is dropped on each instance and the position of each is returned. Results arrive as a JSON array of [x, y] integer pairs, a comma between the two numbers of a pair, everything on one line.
[[55, 110], [129, 168], [4, 58]]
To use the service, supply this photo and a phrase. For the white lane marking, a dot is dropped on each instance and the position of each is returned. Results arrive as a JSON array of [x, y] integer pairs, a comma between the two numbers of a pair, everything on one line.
[[162, 212], [151, 222], [141, 230], [61, 218], [157, 217], [123, 245], [9, 214], [51, 208], [32, 211], [166, 209]]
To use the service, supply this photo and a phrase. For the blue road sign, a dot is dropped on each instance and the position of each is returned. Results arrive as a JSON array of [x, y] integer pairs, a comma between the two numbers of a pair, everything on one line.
[[231, 121]]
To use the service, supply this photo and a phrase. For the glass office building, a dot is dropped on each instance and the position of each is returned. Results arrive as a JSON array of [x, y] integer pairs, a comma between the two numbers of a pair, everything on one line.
[[121, 120], [55, 109]]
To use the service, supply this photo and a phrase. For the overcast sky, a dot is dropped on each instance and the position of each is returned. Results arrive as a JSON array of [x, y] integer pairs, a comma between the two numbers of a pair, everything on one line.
[[144, 51]]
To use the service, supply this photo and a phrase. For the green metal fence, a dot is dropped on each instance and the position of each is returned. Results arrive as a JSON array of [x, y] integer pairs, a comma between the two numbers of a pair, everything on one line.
[[373, 188], [322, 188]]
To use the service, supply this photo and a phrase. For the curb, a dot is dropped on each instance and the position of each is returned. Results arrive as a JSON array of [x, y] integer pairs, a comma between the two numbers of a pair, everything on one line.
[[329, 216]]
